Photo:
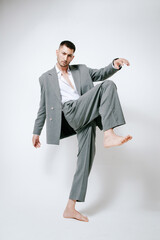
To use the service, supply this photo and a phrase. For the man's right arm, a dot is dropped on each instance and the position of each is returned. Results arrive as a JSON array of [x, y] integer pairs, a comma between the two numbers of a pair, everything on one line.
[[41, 114]]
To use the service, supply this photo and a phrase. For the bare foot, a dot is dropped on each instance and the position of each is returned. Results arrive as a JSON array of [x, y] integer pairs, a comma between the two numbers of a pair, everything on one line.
[[111, 139], [72, 213]]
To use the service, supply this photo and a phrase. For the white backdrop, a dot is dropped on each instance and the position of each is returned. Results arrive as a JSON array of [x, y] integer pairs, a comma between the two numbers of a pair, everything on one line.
[[123, 196]]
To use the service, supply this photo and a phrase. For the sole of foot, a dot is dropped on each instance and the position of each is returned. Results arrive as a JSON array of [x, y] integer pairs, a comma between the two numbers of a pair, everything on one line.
[[118, 141]]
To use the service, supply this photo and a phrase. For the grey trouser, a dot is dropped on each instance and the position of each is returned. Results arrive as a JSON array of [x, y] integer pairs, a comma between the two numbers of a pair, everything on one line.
[[80, 114]]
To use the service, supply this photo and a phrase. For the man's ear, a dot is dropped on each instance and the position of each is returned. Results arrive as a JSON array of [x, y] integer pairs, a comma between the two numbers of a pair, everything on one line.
[[57, 51]]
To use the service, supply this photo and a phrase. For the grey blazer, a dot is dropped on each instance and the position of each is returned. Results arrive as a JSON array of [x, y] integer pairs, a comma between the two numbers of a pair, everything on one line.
[[50, 106]]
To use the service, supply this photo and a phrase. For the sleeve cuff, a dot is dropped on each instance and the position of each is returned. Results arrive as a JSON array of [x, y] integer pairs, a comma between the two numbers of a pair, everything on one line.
[[113, 64]]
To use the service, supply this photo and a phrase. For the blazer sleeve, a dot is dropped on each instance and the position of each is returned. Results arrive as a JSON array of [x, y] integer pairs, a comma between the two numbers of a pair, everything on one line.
[[41, 114], [103, 73]]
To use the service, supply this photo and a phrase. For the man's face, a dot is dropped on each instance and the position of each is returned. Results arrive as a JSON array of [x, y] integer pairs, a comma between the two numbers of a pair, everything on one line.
[[64, 56]]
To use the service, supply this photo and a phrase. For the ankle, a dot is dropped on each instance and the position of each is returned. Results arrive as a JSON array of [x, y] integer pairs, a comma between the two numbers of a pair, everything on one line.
[[108, 132], [71, 204]]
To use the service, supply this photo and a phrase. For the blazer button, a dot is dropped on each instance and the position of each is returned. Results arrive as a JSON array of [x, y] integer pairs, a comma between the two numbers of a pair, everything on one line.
[[52, 107], [50, 119]]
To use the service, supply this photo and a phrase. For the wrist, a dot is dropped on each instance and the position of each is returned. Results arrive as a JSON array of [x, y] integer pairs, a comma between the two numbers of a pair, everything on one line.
[[114, 65]]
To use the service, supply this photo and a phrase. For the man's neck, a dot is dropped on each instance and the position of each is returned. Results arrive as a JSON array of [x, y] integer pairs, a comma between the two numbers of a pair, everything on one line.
[[62, 69]]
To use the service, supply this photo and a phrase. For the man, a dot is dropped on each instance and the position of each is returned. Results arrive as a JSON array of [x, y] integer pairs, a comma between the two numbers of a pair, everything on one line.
[[71, 104]]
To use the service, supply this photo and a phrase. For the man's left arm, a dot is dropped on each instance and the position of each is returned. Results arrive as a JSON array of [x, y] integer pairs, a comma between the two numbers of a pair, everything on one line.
[[106, 72]]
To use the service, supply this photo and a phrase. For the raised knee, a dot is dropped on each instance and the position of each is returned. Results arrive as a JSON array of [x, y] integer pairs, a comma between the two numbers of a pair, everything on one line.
[[109, 83]]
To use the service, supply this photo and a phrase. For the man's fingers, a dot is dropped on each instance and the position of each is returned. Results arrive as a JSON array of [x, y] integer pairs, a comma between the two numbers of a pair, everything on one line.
[[121, 61], [36, 142], [37, 145], [124, 61], [117, 66], [128, 64]]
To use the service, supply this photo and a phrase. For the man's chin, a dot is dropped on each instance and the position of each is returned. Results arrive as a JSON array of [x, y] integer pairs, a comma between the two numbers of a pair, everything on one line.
[[64, 65]]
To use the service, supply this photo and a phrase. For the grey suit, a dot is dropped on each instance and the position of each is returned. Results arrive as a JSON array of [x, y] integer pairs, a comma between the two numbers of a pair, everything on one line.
[[50, 107], [97, 106]]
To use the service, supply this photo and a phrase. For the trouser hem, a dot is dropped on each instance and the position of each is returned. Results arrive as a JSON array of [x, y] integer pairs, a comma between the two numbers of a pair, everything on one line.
[[79, 199], [113, 126]]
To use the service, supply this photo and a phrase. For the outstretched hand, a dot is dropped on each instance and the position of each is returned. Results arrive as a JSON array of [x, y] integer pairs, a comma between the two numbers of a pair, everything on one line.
[[35, 141], [120, 62]]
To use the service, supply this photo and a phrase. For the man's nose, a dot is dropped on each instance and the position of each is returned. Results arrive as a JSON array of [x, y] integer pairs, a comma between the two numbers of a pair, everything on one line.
[[65, 58]]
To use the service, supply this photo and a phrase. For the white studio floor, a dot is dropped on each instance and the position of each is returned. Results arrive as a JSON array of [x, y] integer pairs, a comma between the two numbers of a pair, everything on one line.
[[122, 200], [47, 223]]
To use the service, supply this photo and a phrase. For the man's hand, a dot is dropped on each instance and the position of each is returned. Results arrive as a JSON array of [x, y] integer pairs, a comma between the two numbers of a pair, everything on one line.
[[120, 62], [36, 142]]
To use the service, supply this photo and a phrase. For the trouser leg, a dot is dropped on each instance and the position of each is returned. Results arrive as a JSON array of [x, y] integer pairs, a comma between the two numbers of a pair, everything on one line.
[[101, 100], [86, 152]]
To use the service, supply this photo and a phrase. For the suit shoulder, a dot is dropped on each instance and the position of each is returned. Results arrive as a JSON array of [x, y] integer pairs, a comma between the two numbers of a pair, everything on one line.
[[78, 66], [43, 75]]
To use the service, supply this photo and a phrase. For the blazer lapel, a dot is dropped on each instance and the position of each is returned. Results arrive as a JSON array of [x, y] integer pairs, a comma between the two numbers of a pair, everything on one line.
[[55, 83], [76, 77]]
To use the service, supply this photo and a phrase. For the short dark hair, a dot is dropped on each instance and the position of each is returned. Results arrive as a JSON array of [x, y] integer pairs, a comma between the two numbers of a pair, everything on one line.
[[68, 44]]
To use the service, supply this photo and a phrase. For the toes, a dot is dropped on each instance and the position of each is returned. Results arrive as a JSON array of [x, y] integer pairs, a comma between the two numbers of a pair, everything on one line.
[[86, 218], [127, 138], [81, 217]]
